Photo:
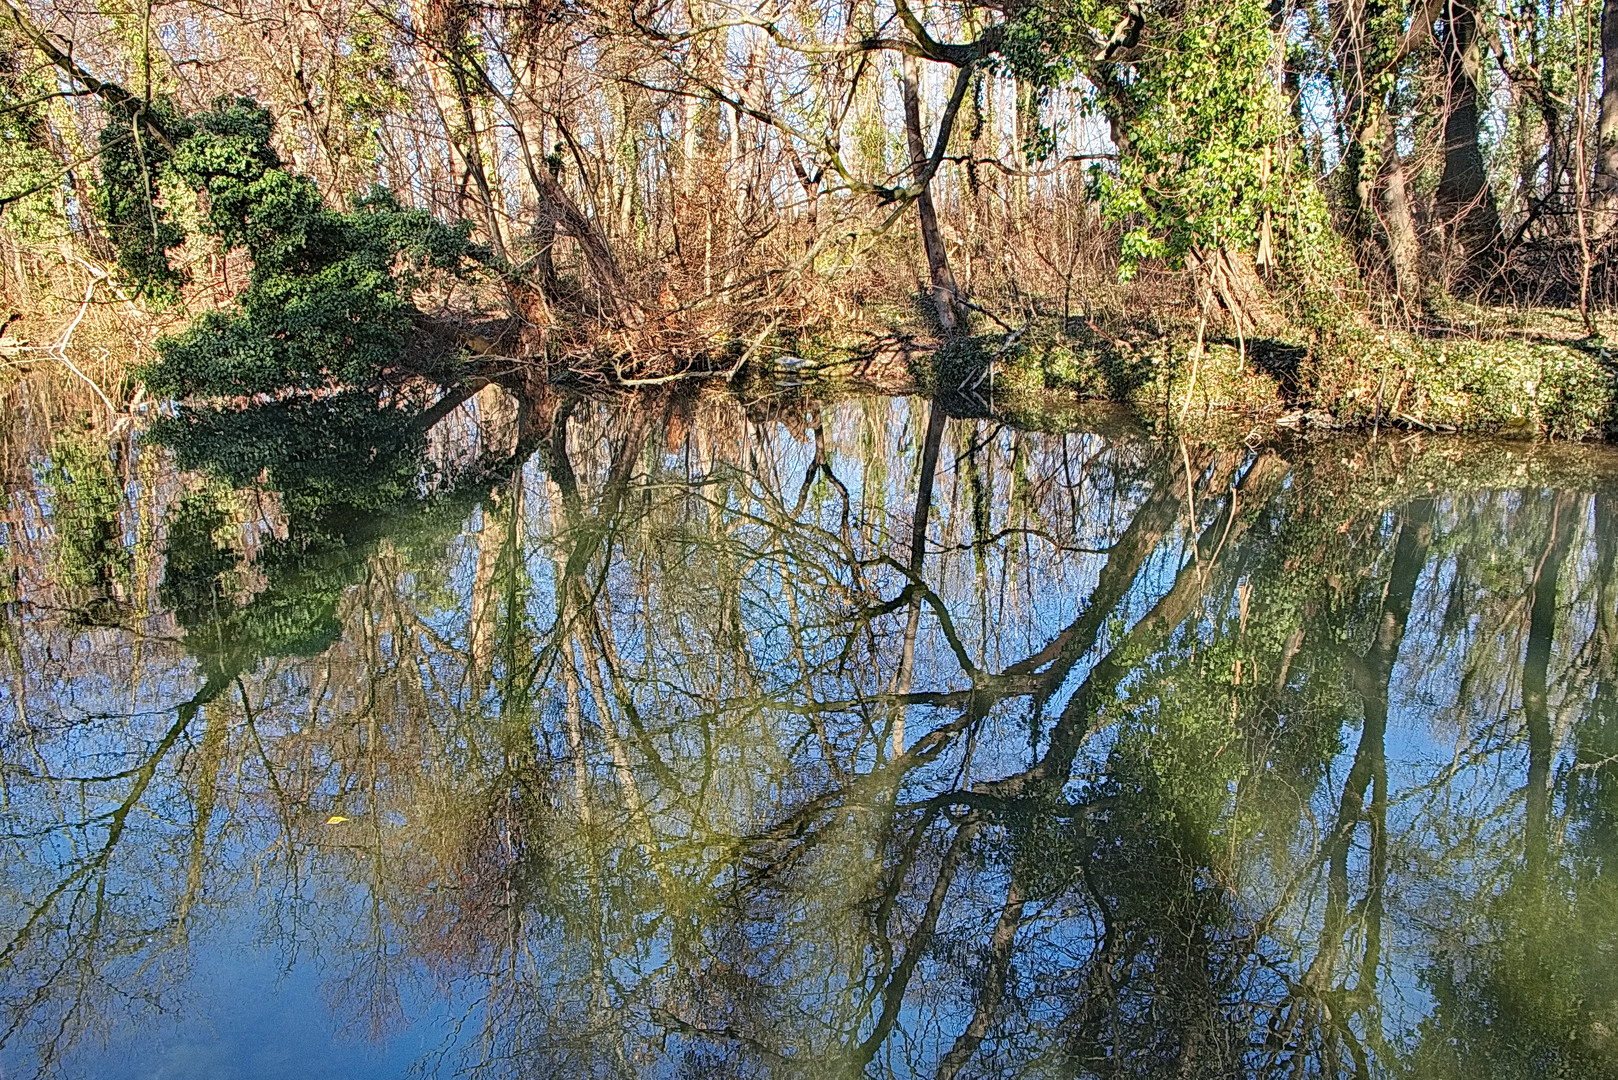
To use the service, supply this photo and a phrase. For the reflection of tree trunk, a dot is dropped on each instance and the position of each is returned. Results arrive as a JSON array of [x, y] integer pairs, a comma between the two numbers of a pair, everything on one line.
[[1369, 769], [1606, 537], [1535, 703], [583, 644], [1125, 556], [1262, 481], [941, 279], [480, 630], [992, 988], [920, 940], [1590, 789], [918, 556], [215, 729], [116, 820]]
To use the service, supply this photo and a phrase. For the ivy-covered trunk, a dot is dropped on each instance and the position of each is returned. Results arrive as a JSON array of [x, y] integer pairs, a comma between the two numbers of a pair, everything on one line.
[[1368, 39]]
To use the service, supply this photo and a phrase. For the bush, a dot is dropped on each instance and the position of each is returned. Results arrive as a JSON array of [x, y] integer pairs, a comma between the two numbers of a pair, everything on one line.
[[327, 301]]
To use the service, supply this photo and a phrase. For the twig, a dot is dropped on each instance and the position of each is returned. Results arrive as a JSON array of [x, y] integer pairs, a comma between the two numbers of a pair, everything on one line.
[[60, 348], [987, 372], [1196, 355]]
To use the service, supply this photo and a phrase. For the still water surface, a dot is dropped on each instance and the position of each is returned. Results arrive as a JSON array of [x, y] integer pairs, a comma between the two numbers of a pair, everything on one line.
[[676, 739]]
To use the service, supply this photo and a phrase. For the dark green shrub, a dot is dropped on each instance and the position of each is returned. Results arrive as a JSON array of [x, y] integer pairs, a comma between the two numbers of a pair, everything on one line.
[[328, 298]]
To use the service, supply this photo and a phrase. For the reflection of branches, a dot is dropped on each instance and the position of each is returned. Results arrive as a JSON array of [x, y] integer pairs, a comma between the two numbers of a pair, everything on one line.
[[620, 770]]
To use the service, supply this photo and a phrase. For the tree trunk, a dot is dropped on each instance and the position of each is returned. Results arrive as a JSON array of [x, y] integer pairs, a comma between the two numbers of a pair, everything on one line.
[[556, 213], [1465, 205], [530, 132], [1404, 242], [944, 291], [1374, 189], [448, 81], [1535, 682], [1606, 171], [934, 439], [1362, 115]]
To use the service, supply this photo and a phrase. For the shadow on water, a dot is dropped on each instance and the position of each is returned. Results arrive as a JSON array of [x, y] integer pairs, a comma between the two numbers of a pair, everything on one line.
[[673, 737]]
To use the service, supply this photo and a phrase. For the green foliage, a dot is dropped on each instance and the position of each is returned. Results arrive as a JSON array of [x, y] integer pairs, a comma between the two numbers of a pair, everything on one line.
[[129, 197], [1076, 359], [364, 86], [328, 299], [1198, 119], [90, 551], [29, 172]]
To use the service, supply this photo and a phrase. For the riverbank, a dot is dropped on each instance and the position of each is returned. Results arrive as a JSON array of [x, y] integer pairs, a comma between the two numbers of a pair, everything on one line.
[[1489, 371], [1521, 373]]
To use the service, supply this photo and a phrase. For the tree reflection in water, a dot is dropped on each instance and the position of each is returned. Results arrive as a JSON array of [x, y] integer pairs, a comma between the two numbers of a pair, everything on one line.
[[673, 737]]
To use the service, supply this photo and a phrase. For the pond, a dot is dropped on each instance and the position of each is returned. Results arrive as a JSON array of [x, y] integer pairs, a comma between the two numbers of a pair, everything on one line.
[[677, 737]]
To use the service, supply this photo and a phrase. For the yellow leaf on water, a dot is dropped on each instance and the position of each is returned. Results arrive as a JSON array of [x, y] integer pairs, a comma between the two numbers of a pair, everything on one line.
[[336, 819]]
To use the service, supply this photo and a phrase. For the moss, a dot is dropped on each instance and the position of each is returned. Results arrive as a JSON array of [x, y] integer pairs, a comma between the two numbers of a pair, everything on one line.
[[954, 365], [1559, 388], [1485, 371]]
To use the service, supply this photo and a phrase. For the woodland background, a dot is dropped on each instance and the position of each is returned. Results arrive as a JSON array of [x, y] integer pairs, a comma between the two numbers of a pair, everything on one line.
[[658, 186]]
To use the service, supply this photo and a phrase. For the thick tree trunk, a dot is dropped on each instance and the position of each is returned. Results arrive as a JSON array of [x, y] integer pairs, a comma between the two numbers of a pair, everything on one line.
[[1605, 190], [452, 97], [1404, 241], [944, 291], [1465, 205]]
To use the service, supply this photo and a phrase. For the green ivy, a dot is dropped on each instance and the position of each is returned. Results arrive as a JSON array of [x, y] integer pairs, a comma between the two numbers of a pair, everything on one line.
[[135, 153], [328, 297], [1197, 117], [29, 172], [90, 552]]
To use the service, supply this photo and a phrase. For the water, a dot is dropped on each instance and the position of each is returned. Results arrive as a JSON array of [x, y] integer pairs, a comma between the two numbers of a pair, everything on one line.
[[676, 738]]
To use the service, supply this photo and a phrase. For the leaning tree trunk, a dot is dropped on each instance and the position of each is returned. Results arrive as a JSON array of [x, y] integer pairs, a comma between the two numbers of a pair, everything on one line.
[[942, 280], [1465, 205]]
